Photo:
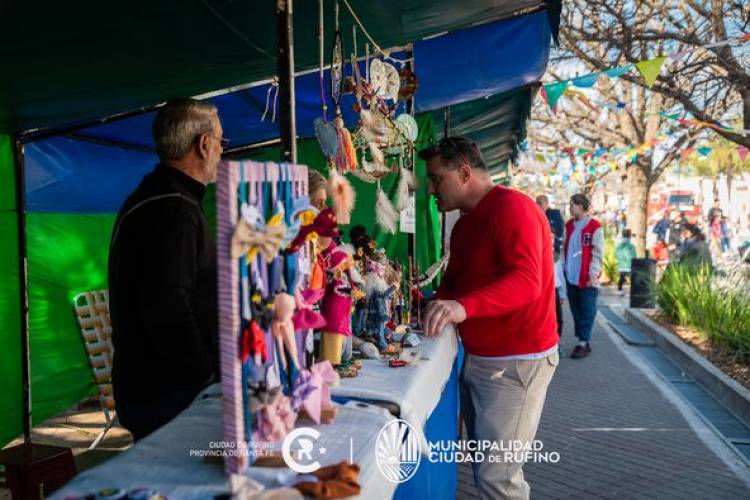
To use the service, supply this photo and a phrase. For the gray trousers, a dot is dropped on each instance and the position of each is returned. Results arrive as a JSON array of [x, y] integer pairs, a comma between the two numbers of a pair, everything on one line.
[[502, 401]]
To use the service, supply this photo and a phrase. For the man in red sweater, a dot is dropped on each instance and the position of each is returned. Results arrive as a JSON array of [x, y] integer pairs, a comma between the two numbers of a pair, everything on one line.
[[499, 288]]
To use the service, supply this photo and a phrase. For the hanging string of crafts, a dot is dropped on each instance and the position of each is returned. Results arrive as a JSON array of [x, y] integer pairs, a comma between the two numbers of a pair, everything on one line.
[[383, 140]]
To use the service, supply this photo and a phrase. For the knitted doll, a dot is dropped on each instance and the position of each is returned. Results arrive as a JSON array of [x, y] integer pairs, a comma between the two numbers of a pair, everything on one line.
[[360, 302], [378, 292], [337, 300]]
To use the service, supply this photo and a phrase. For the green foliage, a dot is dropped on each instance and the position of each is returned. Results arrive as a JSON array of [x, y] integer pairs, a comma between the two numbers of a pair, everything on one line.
[[609, 269], [719, 309], [723, 158]]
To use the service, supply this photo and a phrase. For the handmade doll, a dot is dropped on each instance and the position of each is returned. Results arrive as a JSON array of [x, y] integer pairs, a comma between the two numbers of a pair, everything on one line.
[[337, 300], [378, 292], [361, 243]]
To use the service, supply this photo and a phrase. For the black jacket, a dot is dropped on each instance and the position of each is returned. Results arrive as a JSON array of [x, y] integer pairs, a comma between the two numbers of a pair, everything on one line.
[[163, 300], [558, 226]]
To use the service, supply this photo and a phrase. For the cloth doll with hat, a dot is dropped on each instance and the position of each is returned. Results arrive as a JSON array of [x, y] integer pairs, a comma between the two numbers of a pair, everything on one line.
[[378, 292]]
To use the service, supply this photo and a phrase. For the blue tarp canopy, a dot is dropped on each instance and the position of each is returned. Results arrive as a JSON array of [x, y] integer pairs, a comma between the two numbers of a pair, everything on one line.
[[479, 65]]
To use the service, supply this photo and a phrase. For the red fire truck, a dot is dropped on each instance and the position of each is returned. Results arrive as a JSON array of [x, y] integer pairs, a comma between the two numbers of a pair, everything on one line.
[[681, 200]]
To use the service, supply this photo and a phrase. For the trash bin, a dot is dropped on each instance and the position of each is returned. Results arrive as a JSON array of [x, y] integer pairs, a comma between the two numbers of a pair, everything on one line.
[[642, 281]]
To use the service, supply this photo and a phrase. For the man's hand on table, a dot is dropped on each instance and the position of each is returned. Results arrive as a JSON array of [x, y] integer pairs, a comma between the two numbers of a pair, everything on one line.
[[441, 312]]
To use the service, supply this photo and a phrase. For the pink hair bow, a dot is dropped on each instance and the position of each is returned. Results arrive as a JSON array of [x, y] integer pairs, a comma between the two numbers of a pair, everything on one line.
[[312, 389]]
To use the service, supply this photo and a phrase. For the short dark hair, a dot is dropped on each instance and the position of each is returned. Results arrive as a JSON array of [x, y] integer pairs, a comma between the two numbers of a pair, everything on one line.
[[582, 200], [626, 233], [695, 231], [456, 151]]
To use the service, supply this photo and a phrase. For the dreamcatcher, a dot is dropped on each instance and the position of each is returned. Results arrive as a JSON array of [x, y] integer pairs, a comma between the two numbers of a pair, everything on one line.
[[383, 142]]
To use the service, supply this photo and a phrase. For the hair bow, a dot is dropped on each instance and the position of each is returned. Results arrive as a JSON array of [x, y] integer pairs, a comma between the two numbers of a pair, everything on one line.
[[312, 389], [253, 235], [275, 419], [304, 317], [253, 341], [325, 224]]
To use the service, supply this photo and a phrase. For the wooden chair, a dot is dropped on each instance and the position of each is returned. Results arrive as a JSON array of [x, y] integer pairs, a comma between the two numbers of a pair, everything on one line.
[[92, 312]]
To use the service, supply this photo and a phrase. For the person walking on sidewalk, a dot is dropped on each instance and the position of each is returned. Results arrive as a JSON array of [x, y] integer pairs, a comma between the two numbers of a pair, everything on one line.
[[499, 287], [625, 253], [584, 252]]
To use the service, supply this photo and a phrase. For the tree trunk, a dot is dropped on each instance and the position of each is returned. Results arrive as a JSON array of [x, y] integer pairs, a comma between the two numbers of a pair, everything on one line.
[[638, 191]]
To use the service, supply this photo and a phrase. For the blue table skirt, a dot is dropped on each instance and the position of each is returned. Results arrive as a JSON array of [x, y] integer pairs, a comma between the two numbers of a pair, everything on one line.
[[438, 480]]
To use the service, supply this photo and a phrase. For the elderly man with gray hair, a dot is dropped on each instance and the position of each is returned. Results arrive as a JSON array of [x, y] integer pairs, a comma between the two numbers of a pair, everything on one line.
[[162, 274]]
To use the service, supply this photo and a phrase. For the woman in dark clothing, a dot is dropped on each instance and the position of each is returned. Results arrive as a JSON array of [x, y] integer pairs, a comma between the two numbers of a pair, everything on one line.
[[695, 251]]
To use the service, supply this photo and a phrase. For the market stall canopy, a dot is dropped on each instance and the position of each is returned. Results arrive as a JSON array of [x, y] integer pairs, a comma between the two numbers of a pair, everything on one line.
[[70, 62], [472, 68], [68, 65]]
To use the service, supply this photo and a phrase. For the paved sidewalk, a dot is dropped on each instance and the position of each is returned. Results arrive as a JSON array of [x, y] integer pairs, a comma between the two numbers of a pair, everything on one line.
[[617, 435]]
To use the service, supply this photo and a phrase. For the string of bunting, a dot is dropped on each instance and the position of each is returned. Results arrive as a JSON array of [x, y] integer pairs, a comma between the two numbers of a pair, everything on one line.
[[608, 158], [649, 70]]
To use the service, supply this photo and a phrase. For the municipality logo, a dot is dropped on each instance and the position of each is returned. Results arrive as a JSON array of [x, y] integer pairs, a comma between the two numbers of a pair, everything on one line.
[[298, 449], [397, 451]]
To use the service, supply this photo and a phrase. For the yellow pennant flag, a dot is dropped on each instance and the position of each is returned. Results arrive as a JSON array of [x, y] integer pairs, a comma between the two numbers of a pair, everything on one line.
[[650, 69]]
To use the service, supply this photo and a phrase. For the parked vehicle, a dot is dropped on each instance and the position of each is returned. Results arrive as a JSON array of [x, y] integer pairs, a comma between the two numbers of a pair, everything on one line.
[[681, 200]]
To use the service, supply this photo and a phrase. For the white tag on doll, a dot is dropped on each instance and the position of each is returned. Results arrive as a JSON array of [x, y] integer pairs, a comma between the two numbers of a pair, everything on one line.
[[304, 265], [272, 377], [309, 343]]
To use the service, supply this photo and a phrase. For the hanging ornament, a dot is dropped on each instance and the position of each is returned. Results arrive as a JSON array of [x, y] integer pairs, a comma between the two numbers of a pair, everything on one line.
[[342, 195], [327, 136], [407, 126], [384, 80], [405, 185], [385, 215], [408, 84], [346, 156]]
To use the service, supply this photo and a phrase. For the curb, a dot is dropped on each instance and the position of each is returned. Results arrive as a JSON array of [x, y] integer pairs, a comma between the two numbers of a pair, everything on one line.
[[726, 390]]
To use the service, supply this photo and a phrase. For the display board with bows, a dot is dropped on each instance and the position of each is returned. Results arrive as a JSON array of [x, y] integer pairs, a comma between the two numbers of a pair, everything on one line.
[[266, 318]]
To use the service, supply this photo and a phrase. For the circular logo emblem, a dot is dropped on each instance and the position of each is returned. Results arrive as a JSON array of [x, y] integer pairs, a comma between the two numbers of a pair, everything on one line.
[[397, 451], [301, 461]]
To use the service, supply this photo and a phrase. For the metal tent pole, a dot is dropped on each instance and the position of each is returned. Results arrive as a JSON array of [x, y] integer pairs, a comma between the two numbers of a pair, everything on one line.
[[23, 287], [285, 69]]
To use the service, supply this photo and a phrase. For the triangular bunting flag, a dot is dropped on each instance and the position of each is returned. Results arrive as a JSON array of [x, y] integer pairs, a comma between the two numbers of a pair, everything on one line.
[[705, 151], [650, 69], [743, 151], [540, 158], [554, 91], [685, 153], [619, 71], [585, 81]]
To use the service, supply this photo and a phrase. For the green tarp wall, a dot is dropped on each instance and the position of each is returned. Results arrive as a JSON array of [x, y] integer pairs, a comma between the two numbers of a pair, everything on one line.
[[10, 338]]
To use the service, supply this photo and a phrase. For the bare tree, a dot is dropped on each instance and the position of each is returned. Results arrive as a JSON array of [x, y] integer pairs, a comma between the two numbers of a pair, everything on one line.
[[710, 83], [579, 123]]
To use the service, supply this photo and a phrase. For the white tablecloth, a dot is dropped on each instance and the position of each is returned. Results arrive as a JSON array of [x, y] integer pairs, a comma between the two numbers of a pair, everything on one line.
[[416, 389], [163, 462]]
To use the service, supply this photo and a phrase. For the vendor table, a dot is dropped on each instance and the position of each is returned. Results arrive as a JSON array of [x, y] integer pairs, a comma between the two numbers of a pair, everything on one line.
[[426, 395], [169, 460]]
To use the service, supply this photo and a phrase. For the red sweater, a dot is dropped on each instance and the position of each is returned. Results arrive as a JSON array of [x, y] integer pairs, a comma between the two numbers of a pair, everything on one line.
[[501, 270]]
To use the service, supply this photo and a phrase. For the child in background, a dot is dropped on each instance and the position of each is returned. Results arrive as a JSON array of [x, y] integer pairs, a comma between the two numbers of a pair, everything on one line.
[[660, 253], [625, 253]]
